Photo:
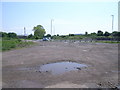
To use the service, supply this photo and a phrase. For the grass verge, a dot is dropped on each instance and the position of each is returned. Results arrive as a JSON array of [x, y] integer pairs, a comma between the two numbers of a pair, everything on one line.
[[14, 43]]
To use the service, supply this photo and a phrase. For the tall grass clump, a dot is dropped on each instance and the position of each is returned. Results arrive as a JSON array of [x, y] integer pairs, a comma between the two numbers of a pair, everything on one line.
[[14, 43]]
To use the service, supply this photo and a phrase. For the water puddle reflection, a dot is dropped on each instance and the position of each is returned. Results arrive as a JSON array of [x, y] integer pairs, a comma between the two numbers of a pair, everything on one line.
[[53, 68], [61, 67]]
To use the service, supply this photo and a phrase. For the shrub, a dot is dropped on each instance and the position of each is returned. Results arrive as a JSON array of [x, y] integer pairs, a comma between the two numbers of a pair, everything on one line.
[[14, 43]]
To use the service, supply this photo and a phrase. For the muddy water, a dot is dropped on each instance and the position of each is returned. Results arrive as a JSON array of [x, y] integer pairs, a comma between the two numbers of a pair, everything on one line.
[[61, 67], [54, 68]]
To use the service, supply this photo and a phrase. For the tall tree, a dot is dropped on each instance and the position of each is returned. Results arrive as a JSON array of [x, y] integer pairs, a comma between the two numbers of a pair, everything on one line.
[[48, 35], [86, 33], [12, 35], [93, 34], [106, 34], [99, 33], [3, 34], [30, 36], [39, 32], [116, 33]]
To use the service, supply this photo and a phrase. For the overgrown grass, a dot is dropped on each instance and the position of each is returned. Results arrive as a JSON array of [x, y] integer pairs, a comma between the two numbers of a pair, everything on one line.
[[14, 43]]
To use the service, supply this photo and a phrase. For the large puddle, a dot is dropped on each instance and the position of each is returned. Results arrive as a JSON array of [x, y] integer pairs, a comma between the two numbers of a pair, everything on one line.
[[53, 68], [61, 67]]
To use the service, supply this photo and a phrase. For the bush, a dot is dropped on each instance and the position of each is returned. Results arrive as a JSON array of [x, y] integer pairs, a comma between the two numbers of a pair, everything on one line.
[[8, 44], [106, 34], [99, 33], [14, 43]]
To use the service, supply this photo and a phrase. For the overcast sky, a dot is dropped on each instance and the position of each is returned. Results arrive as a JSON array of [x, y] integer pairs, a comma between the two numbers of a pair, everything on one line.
[[68, 17]]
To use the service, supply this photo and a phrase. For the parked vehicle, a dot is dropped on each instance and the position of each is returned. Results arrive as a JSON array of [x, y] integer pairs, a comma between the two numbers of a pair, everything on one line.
[[46, 39]]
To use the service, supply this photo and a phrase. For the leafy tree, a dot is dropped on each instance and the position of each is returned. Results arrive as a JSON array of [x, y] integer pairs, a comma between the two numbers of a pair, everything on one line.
[[99, 33], [57, 34], [3, 34], [106, 34], [63, 36], [0, 34], [30, 36], [48, 35], [39, 32], [12, 35], [115, 33], [93, 34], [86, 33], [71, 35]]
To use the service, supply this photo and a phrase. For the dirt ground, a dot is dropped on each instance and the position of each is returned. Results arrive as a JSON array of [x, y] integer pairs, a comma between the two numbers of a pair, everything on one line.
[[101, 58]]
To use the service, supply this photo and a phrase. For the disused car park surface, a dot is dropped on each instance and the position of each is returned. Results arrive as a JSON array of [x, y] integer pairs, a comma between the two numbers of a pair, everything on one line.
[[19, 67]]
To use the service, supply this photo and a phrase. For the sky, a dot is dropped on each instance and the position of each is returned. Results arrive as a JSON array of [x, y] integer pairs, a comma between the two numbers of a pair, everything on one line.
[[67, 17]]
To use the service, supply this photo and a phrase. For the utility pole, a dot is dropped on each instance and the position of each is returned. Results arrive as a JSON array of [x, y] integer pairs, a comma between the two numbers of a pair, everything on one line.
[[51, 26], [112, 25], [54, 30], [24, 31], [112, 22]]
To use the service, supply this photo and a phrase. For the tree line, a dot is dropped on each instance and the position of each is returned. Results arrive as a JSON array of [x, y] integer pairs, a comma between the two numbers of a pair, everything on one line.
[[100, 33], [39, 33], [8, 35]]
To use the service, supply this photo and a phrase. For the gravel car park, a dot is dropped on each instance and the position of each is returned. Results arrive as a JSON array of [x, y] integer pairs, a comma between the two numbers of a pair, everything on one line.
[[21, 67]]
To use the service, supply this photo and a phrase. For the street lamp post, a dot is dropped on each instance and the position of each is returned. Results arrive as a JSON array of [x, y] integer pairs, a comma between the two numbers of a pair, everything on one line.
[[112, 25], [54, 30], [112, 22], [24, 31], [51, 26]]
